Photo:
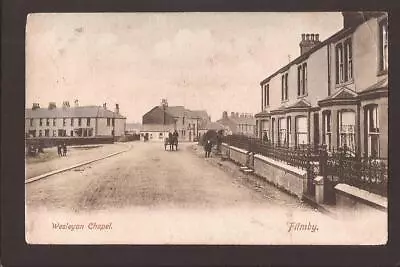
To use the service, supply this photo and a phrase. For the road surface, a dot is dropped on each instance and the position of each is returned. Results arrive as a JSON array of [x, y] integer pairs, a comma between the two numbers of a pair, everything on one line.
[[150, 196]]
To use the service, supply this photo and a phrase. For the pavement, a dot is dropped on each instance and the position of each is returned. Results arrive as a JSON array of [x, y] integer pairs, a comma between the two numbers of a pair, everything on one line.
[[151, 196]]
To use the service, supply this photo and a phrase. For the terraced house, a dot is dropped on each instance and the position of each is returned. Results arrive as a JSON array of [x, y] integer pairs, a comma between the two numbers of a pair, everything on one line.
[[77, 121], [335, 92]]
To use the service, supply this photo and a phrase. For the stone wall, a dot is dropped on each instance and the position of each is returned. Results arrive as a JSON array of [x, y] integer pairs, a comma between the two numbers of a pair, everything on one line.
[[289, 178], [238, 155]]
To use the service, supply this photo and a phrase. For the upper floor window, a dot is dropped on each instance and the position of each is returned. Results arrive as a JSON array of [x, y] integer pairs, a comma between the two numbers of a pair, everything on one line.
[[285, 87], [267, 95], [40, 122], [87, 121], [383, 44], [31, 122], [302, 79], [47, 122], [54, 122], [64, 122], [113, 122], [344, 61], [108, 121], [72, 121], [79, 121]]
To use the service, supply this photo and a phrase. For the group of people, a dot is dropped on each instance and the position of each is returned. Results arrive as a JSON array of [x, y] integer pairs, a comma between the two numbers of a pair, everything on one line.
[[174, 135], [62, 149]]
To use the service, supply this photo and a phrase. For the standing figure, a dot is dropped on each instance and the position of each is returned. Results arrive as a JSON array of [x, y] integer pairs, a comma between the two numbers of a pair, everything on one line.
[[175, 138], [59, 150], [170, 140], [64, 149], [207, 148]]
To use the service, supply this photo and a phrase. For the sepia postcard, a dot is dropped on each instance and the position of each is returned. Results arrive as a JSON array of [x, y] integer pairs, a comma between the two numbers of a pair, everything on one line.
[[207, 128]]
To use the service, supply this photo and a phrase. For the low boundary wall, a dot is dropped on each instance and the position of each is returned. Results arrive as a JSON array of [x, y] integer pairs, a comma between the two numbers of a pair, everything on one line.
[[289, 178], [358, 200]]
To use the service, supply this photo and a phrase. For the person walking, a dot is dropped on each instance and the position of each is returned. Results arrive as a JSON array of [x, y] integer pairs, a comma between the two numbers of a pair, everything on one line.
[[207, 148], [64, 149], [59, 150]]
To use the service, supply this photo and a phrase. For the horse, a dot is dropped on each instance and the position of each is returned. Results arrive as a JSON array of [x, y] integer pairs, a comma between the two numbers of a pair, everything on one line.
[[171, 142]]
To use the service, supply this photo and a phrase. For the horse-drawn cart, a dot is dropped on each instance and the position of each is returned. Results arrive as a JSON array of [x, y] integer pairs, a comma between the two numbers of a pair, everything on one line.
[[171, 142]]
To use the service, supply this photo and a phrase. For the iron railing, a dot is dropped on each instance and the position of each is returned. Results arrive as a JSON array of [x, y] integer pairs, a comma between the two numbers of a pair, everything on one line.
[[340, 165]]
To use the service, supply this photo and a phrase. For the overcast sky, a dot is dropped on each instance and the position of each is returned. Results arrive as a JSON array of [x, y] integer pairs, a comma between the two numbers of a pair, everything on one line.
[[211, 61]]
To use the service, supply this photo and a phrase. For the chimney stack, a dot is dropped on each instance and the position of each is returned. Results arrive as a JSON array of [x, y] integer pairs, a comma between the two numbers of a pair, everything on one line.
[[105, 105], [52, 105], [117, 108], [308, 41], [232, 114], [76, 102], [35, 106], [237, 114], [65, 104], [224, 114]]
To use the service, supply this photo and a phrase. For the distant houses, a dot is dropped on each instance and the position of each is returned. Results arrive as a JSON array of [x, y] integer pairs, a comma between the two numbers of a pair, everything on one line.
[[162, 119], [236, 123], [73, 121]]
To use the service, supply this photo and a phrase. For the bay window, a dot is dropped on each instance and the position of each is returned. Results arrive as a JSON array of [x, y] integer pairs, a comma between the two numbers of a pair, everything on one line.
[[327, 129], [282, 134], [347, 123], [301, 131], [372, 125]]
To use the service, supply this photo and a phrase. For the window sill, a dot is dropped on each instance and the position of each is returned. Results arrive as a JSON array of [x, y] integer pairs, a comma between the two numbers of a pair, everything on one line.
[[382, 72], [337, 85]]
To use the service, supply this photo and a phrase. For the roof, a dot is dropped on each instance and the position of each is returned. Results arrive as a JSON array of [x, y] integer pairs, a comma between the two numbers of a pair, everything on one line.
[[176, 111], [304, 56], [244, 120], [157, 128], [133, 126], [209, 125], [379, 85], [202, 114], [72, 112]]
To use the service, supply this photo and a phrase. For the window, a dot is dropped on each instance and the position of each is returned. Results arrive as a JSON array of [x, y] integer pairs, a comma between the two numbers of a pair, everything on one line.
[[40, 122], [31, 122], [79, 121], [87, 121], [54, 133], [64, 121], [72, 122], [282, 140], [40, 133], [47, 132], [327, 130], [289, 131], [383, 45], [273, 130], [302, 79], [108, 121], [90, 132], [54, 122], [32, 133], [347, 122], [301, 131], [372, 130], [183, 120], [160, 136], [285, 87], [267, 95], [344, 61], [113, 122], [47, 122], [348, 70], [72, 132]]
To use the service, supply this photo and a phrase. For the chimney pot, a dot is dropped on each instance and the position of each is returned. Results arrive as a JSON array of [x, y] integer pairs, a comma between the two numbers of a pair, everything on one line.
[[307, 36], [232, 114], [317, 37], [117, 108], [303, 36], [312, 37], [105, 105], [35, 106], [76, 102], [66, 104]]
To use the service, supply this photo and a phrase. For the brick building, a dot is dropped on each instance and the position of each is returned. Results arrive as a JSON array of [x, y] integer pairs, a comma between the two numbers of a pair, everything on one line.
[[244, 123], [335, 92], [77, 121], [162, 119]]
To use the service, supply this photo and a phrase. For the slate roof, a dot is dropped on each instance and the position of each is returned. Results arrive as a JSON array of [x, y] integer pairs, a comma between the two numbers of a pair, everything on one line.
[[157, 127], [180, 111], [72, 112], [209, 125], [381, 84], [202, 114]]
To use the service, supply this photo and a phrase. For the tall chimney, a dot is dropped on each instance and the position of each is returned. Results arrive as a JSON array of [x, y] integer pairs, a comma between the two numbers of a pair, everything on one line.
[[117, 108], [65, 104], [308, 41], [35, 106], [52, 105]]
